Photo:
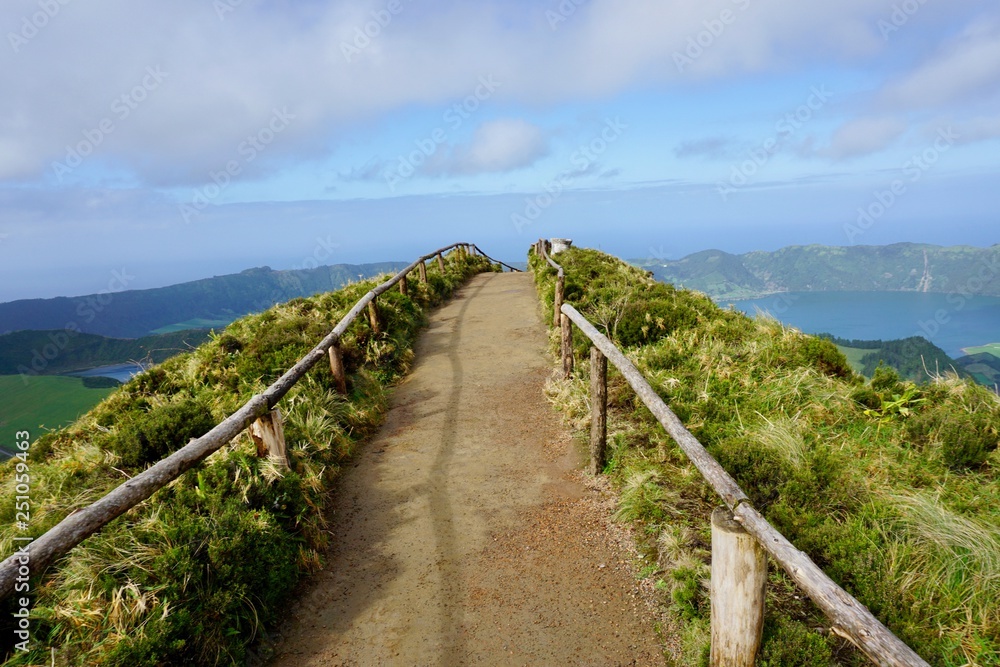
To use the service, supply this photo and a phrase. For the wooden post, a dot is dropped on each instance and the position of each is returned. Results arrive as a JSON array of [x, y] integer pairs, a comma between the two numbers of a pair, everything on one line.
[[567, 346], [739, 578], [598, 410], [337, 368], [423, 272], [402, 286], [560, 291], [373, 317], [269, 435], [441, 262]]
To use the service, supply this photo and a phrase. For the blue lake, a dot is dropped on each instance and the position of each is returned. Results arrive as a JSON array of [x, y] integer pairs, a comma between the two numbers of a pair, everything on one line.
[[120, 372], [950, 321]]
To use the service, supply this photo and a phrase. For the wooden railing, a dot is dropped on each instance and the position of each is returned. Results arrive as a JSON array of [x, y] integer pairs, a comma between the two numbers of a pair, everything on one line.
[[259, 414], [739, 569]]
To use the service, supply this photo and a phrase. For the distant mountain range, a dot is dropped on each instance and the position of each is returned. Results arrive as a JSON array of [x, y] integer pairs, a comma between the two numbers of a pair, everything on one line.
[[899, 267], [199, 304]]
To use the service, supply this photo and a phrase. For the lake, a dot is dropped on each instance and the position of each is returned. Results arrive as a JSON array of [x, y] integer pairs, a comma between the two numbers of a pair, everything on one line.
[[121, 372], [950, 321]]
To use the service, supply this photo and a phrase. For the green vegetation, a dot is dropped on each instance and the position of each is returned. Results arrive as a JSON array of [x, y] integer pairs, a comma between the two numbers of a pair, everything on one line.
[[915, 359], [137, 313], [194, 323], [890, 486], [902, 266], [992, 348], [196, 573], [37, 403], [56, 352]]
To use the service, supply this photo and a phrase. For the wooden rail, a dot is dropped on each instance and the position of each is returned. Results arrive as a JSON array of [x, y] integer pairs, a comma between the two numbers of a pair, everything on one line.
[[850, 619], [258, 411]]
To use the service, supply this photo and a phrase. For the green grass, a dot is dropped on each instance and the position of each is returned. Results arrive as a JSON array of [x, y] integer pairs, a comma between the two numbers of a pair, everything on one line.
[[854, 356], [196, 574], [36, 404], [891, 487], [992, 348], [196, 323]]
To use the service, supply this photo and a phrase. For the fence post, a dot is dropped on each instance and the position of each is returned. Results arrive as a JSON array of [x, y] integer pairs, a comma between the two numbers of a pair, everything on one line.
[[373, 317], [598, 410], [337, 368], [423, 272], [567, 346], [441, 262], [269, 435], [558, 302], [402, 286], [739, 578]]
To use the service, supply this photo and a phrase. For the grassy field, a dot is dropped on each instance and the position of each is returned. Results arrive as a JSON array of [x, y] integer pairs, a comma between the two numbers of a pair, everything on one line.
[[196, 323], [992, 348], [854, 356], [45, 401]]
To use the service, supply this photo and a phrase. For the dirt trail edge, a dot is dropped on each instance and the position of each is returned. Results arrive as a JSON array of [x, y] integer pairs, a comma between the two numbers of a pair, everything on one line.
[[464, 535]]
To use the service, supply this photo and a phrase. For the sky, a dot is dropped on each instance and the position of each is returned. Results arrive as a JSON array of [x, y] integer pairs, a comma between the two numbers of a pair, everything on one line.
[[148, 143]]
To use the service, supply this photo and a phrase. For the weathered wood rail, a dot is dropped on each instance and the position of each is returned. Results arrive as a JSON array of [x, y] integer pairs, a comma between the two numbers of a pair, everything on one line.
[[259, 414], [738, 620]]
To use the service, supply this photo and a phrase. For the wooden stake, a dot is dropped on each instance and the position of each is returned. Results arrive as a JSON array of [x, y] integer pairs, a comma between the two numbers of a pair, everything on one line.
[[373, 317], [739, 579], [402, 286], [337, 368], [441, 262], [560, 291], [567, 346], [269, 435], [598, 410], [423, 272]]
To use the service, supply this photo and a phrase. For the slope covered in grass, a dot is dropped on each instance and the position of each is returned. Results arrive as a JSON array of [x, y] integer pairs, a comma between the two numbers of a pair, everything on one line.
[[197, 572], [889, 486]]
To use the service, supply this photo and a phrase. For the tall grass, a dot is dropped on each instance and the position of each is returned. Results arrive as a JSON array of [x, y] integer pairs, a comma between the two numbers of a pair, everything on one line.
[[890, 487], [200, 571]]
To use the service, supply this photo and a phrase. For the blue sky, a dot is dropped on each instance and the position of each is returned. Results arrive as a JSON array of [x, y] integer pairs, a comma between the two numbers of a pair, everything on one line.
[[180, 140]]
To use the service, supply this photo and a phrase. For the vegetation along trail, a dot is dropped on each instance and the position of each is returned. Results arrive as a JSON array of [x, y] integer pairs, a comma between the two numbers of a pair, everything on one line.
[[465, 533]]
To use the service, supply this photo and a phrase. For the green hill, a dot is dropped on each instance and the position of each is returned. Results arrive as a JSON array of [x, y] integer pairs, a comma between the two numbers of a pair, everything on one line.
[[59, 352], [915, 358], [898, 267], [889, 486], [214, 301], [198, 572]]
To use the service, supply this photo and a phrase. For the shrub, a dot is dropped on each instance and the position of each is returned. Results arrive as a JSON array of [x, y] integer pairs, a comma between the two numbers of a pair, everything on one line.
[[145, 438]]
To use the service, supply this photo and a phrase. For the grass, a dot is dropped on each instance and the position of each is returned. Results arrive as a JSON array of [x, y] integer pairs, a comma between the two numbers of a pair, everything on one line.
[[41, 403], [854, 356], [992, 348], [198, 573], [196, 323], [891, 487]]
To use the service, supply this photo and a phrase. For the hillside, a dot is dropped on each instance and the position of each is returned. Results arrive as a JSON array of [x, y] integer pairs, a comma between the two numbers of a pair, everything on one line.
[[915, 358], [56, 352], [195, 574], [199, 304], [898, 267], [889, 486]]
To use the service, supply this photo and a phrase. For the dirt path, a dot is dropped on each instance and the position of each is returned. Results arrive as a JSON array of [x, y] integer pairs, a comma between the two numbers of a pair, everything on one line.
[[464, 535]]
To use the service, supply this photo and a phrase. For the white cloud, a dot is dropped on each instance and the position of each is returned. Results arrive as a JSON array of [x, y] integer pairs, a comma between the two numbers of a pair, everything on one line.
[[967, 70], [497, 146], [864, 136], [227, 76]]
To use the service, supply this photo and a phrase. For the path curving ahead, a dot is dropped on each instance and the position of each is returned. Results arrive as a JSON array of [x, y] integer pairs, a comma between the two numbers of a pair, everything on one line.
[[462, 535]]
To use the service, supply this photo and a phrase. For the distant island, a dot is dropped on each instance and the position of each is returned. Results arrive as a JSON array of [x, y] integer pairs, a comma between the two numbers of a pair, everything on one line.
[[910, 267]]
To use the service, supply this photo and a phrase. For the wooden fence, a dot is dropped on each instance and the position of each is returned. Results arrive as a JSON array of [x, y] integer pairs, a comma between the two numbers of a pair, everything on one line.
[[259, 414], [740, 534]]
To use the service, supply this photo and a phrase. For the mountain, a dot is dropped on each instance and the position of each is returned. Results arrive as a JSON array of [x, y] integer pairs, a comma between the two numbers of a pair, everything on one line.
[[62, 351], [915, 358], [198, 304], [897, 267]]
